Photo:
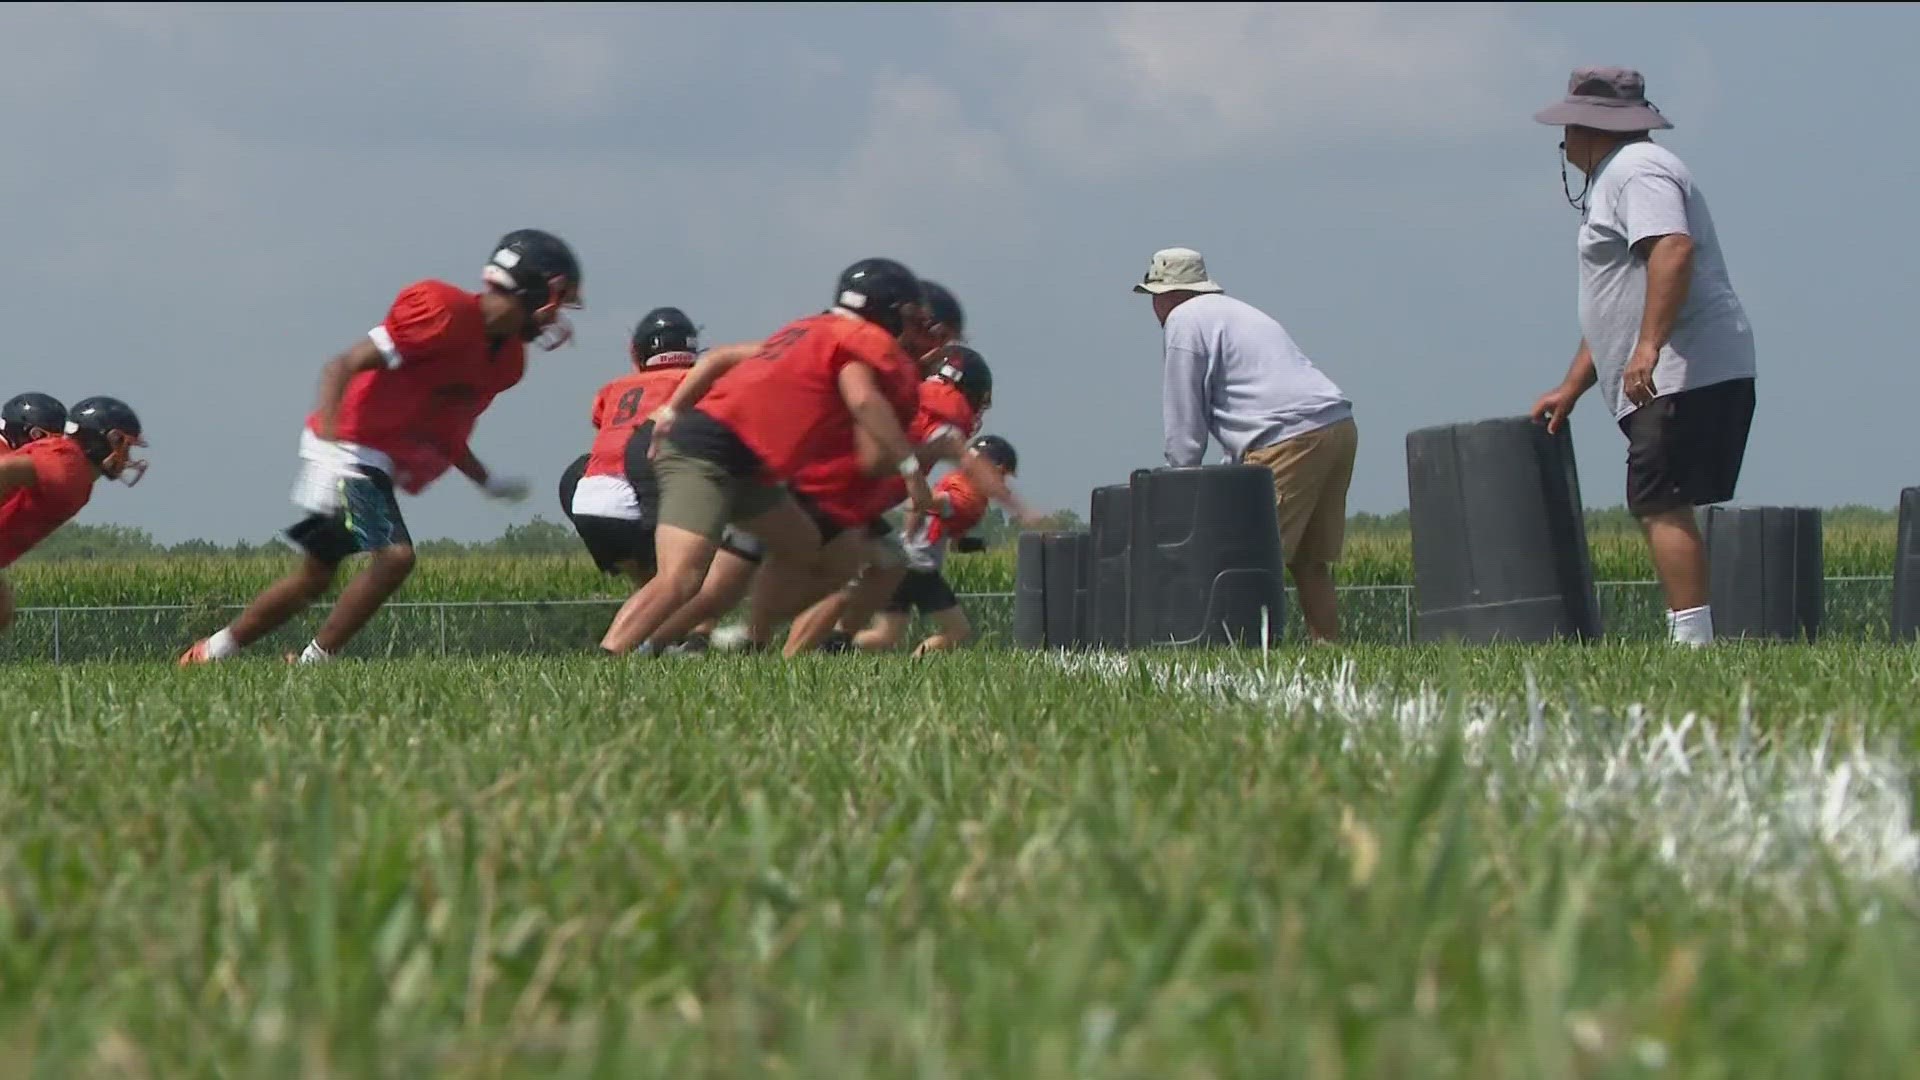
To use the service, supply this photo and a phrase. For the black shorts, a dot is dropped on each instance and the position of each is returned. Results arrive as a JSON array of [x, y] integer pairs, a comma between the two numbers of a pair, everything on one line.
[[612, 541], [829, 528], [742, 545], [701, 436], [1685, 449], [926, 590], [368, 520]]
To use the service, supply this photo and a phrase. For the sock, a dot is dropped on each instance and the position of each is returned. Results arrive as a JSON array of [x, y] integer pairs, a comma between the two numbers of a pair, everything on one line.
[[314, 654], [1694, 626], [221, 645]]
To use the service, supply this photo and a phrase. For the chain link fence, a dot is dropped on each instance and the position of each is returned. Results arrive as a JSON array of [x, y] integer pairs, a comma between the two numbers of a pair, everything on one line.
[[1857, 608]]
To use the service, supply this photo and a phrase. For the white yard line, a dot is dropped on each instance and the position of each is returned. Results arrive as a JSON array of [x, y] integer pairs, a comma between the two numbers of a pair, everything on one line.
[[1722, 803]]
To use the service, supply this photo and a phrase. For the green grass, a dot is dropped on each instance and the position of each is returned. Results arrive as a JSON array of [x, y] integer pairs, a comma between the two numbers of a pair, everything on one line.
[[989, 865], [1373, 557]]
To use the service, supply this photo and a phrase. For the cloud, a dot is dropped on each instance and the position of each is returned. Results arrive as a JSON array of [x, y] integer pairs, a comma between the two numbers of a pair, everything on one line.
[[1093, 89]]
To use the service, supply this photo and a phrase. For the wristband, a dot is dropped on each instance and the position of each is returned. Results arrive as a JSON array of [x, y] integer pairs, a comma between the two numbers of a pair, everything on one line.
[[909, 466]]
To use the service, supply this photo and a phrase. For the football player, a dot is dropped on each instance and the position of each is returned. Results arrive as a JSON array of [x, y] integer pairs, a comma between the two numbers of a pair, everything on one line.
[[609, 494], [732, 573], [396, 410], [28, 418], [959, 393], [46, 482], [958, 506], [952, 400], [842, 383]]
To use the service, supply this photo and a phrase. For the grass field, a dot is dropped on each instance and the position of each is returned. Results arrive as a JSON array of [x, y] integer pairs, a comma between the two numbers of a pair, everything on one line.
[[1372, 558], [1550, 862]]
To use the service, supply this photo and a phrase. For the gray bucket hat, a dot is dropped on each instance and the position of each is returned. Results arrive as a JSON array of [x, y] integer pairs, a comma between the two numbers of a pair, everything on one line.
[[1607, 98]]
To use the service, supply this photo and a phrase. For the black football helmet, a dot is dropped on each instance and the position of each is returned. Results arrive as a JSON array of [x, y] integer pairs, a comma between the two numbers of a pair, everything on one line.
[[883, 292], [943, 310], [541, 271], [31, 417], [665, 337], [967, 370], [997, 450], [108, 431]]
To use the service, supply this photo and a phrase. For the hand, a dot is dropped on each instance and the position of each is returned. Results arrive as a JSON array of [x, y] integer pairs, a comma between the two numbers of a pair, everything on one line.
[[505, 488], [663, 418], [1637, 381], [1555, 406]]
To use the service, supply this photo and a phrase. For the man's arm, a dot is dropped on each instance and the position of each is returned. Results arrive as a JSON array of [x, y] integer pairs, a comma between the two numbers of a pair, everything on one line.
[[1669, 277], [17, 474], [470, 465], [1669, 274], [1580, 375], [861, 391], [1183, 405], [364, 355], [712, 364], [509, 488], [988, 481]]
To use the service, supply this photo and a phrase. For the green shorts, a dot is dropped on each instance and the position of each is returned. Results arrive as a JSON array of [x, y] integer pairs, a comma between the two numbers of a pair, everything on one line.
[[702, 497]]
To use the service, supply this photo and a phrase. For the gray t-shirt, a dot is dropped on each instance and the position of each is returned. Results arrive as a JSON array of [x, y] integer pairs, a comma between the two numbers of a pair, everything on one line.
[[1233, 372], [1643, 190]]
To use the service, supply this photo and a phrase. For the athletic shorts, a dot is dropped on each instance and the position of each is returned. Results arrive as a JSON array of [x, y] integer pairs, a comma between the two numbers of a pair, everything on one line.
[[1311, 475], [368, 520], [709, 479], [924, 590], [612, 541], [742, 545], [1686, 449]]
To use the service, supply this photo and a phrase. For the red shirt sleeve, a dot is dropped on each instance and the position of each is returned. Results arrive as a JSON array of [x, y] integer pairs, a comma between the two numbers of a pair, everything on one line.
[[417, 326]]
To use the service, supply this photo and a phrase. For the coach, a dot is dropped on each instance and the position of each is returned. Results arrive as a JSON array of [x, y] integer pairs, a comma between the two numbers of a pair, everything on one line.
[[1233, 372], [1663, 334]]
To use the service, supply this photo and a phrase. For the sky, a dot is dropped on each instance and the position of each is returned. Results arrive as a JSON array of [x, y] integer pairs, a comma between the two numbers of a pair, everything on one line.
[[203, 204]]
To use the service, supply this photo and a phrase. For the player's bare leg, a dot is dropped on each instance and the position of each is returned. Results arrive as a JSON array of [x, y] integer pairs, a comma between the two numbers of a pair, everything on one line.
[[887, 630], [728, 579], [386, 570], [684, 557], [639, 577], [821, 620], [273, 608], [867, 598], [790, 596], [681, 558], [951, 631]]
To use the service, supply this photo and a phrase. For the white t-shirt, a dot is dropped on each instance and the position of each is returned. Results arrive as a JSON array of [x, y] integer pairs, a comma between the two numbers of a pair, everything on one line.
[[1233, 372], [1643, 190]]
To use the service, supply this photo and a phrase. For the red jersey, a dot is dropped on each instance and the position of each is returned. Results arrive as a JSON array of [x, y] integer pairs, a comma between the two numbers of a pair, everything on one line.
[[965, 507], [623, 405], [784, 403], [441, 373], [839, 483], [65, 483]]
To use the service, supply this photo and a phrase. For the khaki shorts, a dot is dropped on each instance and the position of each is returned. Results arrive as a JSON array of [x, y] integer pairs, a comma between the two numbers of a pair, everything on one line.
[[1311, 474], [701, 497]]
